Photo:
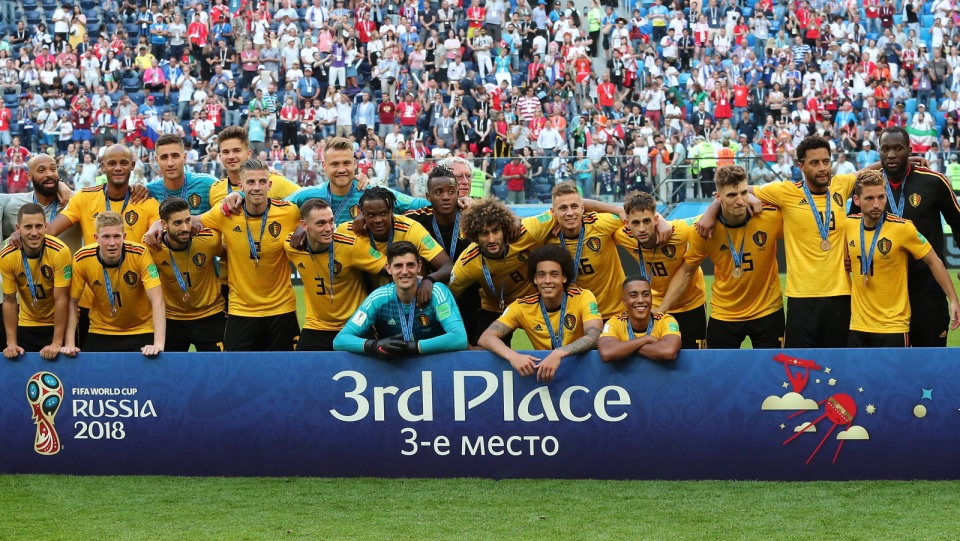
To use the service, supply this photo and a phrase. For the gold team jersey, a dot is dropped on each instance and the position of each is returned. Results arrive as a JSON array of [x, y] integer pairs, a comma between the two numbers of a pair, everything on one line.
[[329, 308], [196, 267], [403, 229], [258, 287], [757, 292], [52, 268], [662, 263], [280, 189], [663, 325], [811, 270], [508, 275], [130, 281], [525, 314], [599, 268], [882, 304]]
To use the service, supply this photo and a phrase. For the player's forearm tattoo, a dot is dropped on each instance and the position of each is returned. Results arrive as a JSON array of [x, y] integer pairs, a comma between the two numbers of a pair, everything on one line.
[[500, 329], [586, 343]]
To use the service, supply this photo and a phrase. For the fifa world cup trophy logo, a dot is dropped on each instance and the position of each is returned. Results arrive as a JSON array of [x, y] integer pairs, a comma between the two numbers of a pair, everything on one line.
[[45, 393]]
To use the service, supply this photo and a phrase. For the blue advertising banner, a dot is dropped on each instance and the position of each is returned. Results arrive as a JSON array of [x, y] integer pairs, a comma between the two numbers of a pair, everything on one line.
[[751, 414]]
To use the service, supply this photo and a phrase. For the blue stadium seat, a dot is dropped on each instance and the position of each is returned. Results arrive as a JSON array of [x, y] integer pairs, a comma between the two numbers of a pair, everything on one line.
[[158, 98], [30, 5], [185, 124], [175, 98], [131, 89], [898, 19], [88, 4], [32, 17], [543, 191], [925, 35], [774, 26], [872, 36], [93, 28], [10, 100], [136, 97], [747, 12], [3, 28], [926, 21], [910, 105], [111, 28], [52, 4], [500, 191], [115, 97], [131, 29]]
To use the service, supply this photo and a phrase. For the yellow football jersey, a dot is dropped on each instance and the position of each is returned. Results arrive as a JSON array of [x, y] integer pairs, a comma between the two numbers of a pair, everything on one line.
[[135, 274], [259, 286], [197, 271], [52, 268], [525, 314], [663, 325], [87, 204], [811, 270], [508, 275], [329, 308], [882, 305], [662, 263], [403, 229], [757, 292], [280, 189], [599, 269]]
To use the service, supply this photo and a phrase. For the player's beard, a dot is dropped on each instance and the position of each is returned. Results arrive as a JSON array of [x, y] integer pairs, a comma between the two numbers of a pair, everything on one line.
[[43, 190]]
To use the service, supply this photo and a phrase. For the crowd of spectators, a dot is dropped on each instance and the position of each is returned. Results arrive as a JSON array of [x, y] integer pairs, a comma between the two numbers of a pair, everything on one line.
[[615, 97]]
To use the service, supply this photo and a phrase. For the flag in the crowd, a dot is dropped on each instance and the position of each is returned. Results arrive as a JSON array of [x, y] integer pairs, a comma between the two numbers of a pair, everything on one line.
[[152, 127], [920, 140]]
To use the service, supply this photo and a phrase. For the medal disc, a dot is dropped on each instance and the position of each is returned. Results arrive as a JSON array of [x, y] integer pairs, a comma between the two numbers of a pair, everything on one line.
[[825, 245], [113, 312], [35, 302], [186, 297], [737, 272], [865, 280]]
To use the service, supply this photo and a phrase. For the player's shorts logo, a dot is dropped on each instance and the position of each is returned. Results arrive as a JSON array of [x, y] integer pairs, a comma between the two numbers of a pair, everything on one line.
[[194, 201], [884, 245], [46, 271], [423, 320], [130, 278], [838, 199], [569, 321], [914, 200], [131, 218], [199, 259], [274, 229], [669, 250], [594, 244], [45, 393], [760, 238]]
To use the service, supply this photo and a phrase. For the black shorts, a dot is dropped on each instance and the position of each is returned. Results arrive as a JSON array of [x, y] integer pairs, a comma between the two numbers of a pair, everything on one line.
[[817, 322], [486, 318], [862, 339], [765, 332], [83, 327], [314, 340], [268, 333], [929, 322], [205, 334], [33, 339], [693, 327], [111, 343]]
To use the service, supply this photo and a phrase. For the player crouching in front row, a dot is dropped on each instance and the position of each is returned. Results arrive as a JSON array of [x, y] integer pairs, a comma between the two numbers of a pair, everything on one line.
[[638, 330]]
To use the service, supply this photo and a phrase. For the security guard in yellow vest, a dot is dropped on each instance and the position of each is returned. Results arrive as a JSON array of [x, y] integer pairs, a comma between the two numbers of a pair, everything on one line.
[[704, 154], [953, 173]]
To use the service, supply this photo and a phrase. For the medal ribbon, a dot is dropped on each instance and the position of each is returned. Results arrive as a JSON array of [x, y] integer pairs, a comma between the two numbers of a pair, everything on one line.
[[866, 259], [823, 222], [406, 320], [576, 260], [31, 285], [176, 270], [486, 275], [106, 200], [346, 199], [453, 238], [109, 285], [737, 256], [633, 335], [896, 207], [556, 340], [54, 208], [263, 226]]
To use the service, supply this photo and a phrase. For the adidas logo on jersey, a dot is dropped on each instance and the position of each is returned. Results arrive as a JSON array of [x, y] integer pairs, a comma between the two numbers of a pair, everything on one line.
[[97, 283], [943, 334], [300, 266], [724, 247], [803, 202], [391, 322], [236, 229], [852, 243], [21, 275], [164, 263], [538, 327]]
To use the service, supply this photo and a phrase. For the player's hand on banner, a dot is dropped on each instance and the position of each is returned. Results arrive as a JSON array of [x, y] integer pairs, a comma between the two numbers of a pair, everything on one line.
[[524, 364], [547, 368], [50, 352], [138, 194], [231, 203], [70, 351], [12, 352], [151, 351]]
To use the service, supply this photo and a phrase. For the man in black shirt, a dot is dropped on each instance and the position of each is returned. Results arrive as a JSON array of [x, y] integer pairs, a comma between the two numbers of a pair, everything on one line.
[[747, 127]]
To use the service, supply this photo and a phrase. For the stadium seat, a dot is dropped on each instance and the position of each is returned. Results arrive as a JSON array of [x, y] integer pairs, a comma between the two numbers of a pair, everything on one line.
[[115, 97], [175, 98], [158, 98], [10, 100], [3, 28], [500, 191], [131, 89], [88, 4], [910, 105], [926, 21], [747, 12], [872, 36], [93, 28], [774, 26], [898, 19], [33, 18], [136, 97], [30, 5], [131, 29], [111, 28], [543, 191]]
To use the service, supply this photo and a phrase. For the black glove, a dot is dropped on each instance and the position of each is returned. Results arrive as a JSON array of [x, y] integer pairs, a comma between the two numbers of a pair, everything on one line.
[[386, 348]]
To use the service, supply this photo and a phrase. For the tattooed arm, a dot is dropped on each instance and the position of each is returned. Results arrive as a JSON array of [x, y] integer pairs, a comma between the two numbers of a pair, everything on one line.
[[491, 341]]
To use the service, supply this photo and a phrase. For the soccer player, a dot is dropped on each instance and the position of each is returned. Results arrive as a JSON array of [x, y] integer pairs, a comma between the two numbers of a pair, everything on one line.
[[176, 181], [127, 311], [39, 272], [638, 330], [263, 308], [191, 288], [498, 267], [343, 190], [234, 146], [746, 291], [384, 229], [661, 262], [923, 197], [393, 314], [591, 238], [117, 196], [332, 267], [560, 317], [880, 245]]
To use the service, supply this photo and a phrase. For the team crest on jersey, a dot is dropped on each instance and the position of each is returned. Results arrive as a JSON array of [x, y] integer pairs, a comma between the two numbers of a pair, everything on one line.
[[130, 278], [423, 320], [884, 245], [594, 244], [524, 256], [837, 198], [47, 272], [354, 211], [337, 267], [199, 259], [194, 201], [570, 321], [274, 229], [914, 200], [760, 238], [669, 250], [131, 218]]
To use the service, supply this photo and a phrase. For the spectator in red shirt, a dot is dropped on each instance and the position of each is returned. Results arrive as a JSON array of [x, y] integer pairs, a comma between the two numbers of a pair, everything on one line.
[[16, 180], [387, 115], [409, 114], [515, 173]]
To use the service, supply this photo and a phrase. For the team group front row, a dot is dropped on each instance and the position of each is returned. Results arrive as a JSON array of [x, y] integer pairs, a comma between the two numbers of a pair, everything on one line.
[[210, 265]]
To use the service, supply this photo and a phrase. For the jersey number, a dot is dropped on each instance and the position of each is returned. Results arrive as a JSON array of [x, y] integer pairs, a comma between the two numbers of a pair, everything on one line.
[[116, 299], [321, 286], [585, 267], [41, 293], [746, 264], [256, 245], [860, 265], [657, 268], [833, 220], [516, 276]]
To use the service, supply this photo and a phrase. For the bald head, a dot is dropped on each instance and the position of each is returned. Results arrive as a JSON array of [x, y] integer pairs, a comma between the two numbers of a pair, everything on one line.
[[118, 162], [43, 174]]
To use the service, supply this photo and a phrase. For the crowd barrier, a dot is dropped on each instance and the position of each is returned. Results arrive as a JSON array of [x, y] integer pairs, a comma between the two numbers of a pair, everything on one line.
[[751, 414]]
